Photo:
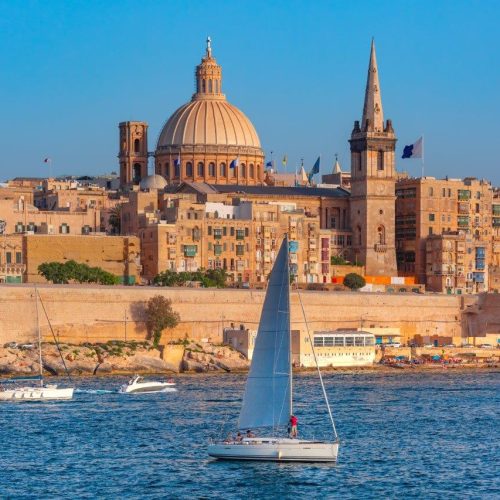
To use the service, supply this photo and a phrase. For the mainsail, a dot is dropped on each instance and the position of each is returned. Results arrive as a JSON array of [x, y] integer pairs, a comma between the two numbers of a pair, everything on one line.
[[267, 401]]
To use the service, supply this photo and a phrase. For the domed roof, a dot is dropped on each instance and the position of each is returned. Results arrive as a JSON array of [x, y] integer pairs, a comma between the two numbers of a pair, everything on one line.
[[204, 121], [208, 119], [154, 181]]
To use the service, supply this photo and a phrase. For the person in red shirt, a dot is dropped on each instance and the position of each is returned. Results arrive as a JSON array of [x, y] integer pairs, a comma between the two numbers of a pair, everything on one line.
[[293, 426]]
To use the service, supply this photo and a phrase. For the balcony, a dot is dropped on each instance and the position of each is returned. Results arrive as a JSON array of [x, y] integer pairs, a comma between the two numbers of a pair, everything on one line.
[[380, 247], [463, 208]]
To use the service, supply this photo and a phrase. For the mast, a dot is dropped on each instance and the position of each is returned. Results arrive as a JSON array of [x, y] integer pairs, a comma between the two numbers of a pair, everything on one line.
[[39, 338], [287, 277]]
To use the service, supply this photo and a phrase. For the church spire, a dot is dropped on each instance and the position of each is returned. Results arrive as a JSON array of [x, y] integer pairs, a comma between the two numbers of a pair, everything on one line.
[[373, 113]]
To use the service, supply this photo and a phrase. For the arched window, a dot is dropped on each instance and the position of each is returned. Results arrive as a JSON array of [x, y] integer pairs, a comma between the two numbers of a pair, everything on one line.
[[201, 169], [203, 86], [252, 172], [243, 171], [380, 160], [177, 169], [137, 146], [258, 172], [223, 170], [167, 170], [211, 169], [381, 235], [210, 86], [216, 86], [189, 169], [137, 173], [232, 171]]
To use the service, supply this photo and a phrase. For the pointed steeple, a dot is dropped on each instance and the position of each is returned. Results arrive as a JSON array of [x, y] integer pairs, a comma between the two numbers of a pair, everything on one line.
[[373, 113], [336, 167]]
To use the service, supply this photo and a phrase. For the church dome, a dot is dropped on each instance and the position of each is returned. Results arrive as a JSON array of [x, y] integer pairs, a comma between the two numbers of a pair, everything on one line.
[[204, 137], [211, 122], [154, 181]]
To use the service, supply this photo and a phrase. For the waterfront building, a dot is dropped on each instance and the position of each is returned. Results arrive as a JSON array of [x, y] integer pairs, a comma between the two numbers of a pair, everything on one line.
[[447, 232], [333, 348]]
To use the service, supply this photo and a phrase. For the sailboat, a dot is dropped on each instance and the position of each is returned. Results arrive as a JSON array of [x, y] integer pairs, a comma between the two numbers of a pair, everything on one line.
[[268, 398], [41, 392]]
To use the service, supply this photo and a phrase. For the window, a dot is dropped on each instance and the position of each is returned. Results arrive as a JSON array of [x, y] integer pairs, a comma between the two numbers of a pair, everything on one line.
[[431, 191], [19, 258], [209, 230], [339, 341], [380, 160], [211, 169], [349, 341], [19, 227], [430, 231], [177, 169], [252, 171], [64, 228], [247, 231], [318, 341], [431, 217], [201, 169], [243, 171], [224, 231], [210, 86], [222, 168], [137, 146], [240, 234], [189, 169], [167, 170], [443, 192], [8, 258], [137, 173], [217, 234]]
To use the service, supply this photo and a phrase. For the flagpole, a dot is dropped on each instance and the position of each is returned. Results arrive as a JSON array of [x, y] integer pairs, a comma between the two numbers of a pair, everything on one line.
[[422, 155]]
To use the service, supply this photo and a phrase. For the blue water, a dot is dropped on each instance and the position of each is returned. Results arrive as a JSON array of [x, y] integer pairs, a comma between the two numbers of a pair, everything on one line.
[[403, 435]]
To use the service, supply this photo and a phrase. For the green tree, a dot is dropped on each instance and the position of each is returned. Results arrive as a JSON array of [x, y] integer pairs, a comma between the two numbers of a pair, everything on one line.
[[354, 281], [115, 218], [78, 273], [160, 315]]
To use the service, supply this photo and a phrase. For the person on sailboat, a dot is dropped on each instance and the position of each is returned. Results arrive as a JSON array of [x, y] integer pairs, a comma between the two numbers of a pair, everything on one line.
[[293, 426], [250, 434]]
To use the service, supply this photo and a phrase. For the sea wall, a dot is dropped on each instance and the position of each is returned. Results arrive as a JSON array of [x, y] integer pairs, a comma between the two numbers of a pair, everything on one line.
[[80, 313]]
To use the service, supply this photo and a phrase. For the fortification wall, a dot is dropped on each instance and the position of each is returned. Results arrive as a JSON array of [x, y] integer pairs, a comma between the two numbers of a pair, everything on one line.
[[80, 313]]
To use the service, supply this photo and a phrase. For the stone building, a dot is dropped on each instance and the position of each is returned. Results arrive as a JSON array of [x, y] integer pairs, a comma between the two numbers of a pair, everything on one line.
[[447, 233]]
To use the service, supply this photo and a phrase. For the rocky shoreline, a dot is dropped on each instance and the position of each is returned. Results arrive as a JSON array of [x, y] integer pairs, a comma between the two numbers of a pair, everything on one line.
[[123, 358]]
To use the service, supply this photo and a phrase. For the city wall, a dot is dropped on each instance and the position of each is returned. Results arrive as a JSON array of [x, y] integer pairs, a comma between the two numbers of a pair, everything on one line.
[[80, 313]]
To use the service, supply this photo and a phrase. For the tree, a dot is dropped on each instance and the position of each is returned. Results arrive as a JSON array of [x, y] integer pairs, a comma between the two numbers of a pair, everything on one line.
[[114, 219], [71, 270], [160, 315], [354, 281]]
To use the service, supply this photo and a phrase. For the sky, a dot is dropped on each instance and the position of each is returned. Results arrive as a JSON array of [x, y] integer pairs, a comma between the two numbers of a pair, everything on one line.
[[72, 70]]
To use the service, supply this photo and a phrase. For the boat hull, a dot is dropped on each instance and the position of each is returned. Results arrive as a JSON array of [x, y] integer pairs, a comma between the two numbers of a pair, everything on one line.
[[276, 450], [146, 388], [36, 394]]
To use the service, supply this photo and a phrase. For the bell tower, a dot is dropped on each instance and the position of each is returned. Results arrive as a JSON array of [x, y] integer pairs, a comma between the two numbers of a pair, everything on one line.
[[373, 181], [133, 152]]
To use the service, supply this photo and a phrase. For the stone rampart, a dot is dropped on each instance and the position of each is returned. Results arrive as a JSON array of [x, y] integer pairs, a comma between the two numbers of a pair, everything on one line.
[[80, 313]]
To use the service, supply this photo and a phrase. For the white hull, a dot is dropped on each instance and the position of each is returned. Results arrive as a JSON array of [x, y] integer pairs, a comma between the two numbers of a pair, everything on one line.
[[49, 393], [148, 387], [277, 450]]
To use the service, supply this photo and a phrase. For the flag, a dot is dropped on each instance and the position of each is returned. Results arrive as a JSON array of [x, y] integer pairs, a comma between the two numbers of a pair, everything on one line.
[[269, 164], [284, 161], [315, 169], [414, 150], [235, 162], [177, 161]]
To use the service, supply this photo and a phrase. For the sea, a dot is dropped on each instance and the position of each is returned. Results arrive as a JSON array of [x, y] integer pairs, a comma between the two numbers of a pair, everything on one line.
[[403, 435]]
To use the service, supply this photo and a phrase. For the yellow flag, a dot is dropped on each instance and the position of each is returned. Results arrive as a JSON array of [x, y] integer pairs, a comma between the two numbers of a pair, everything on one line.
[[284, 160]]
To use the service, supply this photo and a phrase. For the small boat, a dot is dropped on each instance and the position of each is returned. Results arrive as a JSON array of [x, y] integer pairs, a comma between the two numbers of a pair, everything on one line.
[[268, 398], [42, 392], [138, 385]]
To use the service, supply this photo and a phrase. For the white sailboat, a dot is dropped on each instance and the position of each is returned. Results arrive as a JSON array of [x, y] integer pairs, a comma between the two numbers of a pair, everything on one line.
[[41, 392], [268, 399]]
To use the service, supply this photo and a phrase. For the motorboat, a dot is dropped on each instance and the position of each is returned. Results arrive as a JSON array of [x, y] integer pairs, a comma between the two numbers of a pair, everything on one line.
[[137, 385], [41, 391], [268, 399]]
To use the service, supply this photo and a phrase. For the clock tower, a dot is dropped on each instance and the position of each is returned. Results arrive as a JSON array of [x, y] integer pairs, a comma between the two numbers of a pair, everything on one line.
[[373, 181]]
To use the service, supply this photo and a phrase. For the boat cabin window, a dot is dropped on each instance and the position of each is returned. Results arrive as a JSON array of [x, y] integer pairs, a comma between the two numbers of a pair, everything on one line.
[[349, 341], [358, 340], [339, 341]]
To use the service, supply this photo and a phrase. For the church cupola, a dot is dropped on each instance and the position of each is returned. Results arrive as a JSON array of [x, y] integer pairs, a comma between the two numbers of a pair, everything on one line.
[[208, 76]]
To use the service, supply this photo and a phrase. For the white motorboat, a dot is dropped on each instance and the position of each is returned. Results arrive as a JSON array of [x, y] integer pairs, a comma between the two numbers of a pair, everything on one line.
[[267, 403], [138, 385], [41, 392]]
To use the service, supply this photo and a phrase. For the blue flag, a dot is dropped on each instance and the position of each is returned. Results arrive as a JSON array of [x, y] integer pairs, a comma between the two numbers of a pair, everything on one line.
[[235, 162], [315, 170], [269, 164], [177, 161]]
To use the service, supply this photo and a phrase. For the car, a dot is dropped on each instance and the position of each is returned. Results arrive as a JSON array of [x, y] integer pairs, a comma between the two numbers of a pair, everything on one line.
[[27, 346], [485, 346], [449, 345], [429, 346], [468, 346], [11, 345], [393, 344]]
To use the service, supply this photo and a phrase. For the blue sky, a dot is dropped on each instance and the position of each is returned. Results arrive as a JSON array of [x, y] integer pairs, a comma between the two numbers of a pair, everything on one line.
[[71, 70]]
